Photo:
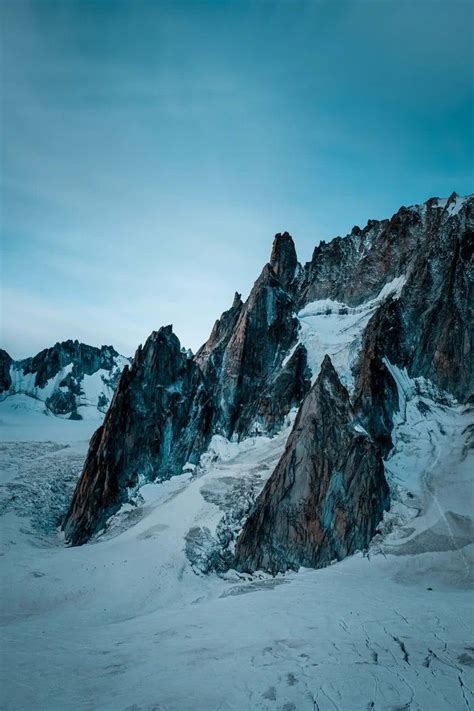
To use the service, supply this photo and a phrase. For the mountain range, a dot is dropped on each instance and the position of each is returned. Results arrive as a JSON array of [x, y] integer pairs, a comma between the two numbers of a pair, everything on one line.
[[320, 348], [69, 378]]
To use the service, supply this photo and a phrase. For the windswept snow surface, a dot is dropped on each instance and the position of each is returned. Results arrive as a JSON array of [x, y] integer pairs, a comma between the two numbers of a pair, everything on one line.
[[24, 418], [127, 623]]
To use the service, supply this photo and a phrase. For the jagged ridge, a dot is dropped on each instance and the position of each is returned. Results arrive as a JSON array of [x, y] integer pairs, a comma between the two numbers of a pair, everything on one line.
[[252, 371], [59, 376], [327, 493]]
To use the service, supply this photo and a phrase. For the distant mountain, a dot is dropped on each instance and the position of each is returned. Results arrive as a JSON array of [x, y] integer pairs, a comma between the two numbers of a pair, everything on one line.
[[397, 294], [68, 377]]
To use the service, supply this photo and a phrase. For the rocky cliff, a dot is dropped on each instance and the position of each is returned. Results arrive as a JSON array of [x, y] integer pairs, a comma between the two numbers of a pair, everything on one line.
[[254, 368], [168, 404], [263, 335], [327, 493], [427, 329], [160, 418], [355, 268]]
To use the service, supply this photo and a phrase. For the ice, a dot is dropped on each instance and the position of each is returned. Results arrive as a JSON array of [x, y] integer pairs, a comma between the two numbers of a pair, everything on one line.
[[334, 328]]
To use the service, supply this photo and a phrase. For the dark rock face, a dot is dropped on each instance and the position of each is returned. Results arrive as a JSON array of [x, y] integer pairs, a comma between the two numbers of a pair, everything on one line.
[[327, 493], [167, 406], [62, 403], [285, 391], [429, 330], [5, 363], [437, 305], [159, 419], [354, 269], [209, 357], [376, 394], [263, 334], [283, 260], [243, 356]]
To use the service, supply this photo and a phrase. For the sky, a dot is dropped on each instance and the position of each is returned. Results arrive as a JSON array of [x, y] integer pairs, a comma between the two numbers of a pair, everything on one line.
[[151, 150]]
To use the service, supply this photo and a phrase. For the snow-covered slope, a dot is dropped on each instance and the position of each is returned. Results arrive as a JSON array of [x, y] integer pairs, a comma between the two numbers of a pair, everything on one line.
[[151, 613], [26, 419], [334, 328], [130, 622]]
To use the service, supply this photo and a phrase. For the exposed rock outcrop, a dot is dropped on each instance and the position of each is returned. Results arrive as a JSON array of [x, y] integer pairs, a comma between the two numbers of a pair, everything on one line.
[[159, 419], [264, 333], [376, 393], [281, 394], [168, 405], [5, 377], [327, 493], [244, 354], [429, 330], [283, 260], [355, 268], [209, 356], [437, 305]]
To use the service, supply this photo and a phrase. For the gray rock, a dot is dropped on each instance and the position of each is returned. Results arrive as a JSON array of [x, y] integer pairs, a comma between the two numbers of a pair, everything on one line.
[[86, 360], [263, 334], [355, 268], [160, 417], [283, 260], [429, 330], [5, 363], [327, 493], [376, 393]]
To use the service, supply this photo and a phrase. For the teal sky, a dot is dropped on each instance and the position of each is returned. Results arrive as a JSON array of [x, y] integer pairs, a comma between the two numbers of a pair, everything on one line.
[[151, 150]]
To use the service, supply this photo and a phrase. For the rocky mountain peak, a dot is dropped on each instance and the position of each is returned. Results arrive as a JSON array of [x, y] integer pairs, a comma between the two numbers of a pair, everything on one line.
[[48, 362], [327, 493], [160, 418], [262, 335], [327, 372], [161, 352], [210, 355], [283, 258], [66, 377], [254, 368], [237, 302]]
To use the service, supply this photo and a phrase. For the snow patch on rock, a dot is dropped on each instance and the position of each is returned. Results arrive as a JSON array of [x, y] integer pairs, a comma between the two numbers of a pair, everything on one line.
[[333, 328]]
